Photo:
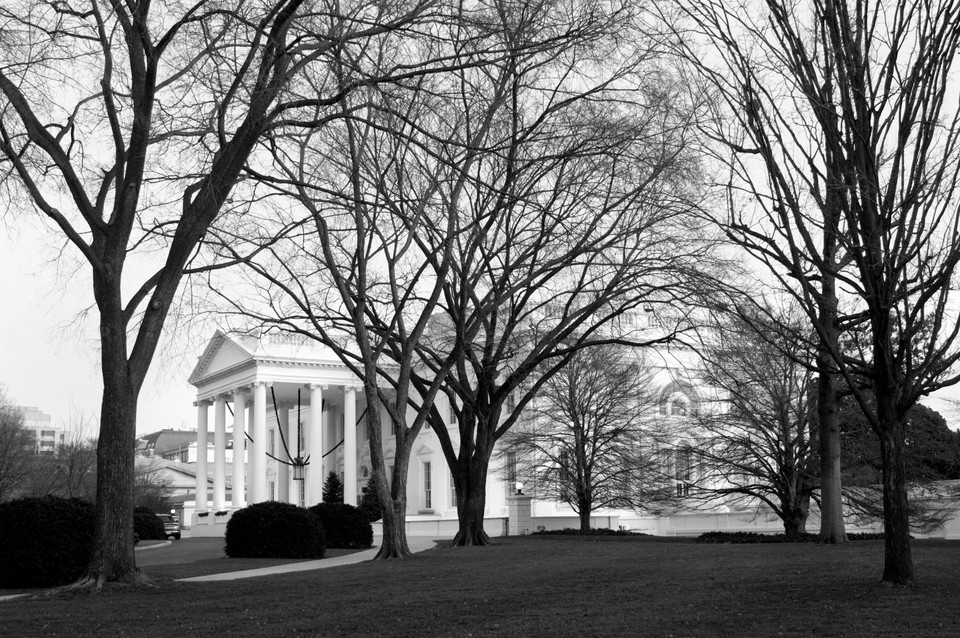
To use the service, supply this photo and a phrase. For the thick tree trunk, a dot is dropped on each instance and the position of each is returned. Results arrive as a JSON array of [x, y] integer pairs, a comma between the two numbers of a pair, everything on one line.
[[831, 497], [394, 530], [112, 558], [795, 521], [584, 514], [897, 557], [471, 502]]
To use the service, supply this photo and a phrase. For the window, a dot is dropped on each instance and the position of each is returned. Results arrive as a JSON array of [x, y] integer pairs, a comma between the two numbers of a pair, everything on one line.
[[452, 413], [272, 441], [663, 409], [453, 492], [563, 473], [511, 402], [684, 470], [272, 490], [427, 488], [678, 406]]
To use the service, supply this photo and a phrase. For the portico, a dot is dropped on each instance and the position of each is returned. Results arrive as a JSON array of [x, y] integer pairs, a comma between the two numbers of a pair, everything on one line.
[[281, 403]]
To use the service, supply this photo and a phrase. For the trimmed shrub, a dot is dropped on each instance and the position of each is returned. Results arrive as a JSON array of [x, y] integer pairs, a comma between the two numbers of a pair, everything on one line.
[[274, 530], [44, 542], [345, 526], [147, 525]]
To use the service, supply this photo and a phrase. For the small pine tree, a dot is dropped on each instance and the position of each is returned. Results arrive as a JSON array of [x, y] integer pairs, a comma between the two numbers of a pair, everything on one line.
[[332, 489], [370, 500]]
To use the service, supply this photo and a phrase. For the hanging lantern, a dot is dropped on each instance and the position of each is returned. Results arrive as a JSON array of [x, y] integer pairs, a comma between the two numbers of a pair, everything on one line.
[[299, 464]]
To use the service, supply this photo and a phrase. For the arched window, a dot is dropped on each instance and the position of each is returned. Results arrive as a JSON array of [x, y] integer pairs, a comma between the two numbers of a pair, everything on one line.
[[679, 406]]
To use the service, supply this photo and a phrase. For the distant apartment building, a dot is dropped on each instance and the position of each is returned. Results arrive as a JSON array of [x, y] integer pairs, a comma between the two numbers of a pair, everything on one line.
[[47, 437]]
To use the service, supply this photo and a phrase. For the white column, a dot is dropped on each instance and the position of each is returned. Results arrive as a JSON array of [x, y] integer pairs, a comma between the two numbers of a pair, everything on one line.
[[283, 470], [258, 453], [239, 438], [219, 452], [330, 437], [314, 450], [201, 490], [350, 445]]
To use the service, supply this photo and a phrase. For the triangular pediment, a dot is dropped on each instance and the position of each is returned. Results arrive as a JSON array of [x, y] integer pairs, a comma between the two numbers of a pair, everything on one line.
[[221, 353]]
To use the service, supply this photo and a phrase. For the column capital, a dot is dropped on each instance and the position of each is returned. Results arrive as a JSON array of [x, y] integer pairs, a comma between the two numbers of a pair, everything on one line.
[[356, 387], [257, 384], [314, 386], [202, 402]]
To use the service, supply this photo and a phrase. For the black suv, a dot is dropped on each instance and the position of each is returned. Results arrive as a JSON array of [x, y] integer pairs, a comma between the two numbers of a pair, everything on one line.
[[171, 527]]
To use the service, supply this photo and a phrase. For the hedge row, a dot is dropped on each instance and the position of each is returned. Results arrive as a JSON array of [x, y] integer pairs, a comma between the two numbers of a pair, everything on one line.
[[756, 537], [282, 530], [44, 542], [600, 531]]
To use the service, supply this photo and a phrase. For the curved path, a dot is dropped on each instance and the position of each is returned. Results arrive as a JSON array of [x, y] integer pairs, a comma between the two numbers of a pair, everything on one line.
[[417, 544]]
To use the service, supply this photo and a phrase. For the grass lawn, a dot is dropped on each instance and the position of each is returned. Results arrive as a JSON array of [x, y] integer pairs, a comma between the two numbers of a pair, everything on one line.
[[540, 587]]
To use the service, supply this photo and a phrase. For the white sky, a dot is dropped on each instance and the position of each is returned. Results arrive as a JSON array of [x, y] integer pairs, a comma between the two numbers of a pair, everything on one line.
[[50, 361]]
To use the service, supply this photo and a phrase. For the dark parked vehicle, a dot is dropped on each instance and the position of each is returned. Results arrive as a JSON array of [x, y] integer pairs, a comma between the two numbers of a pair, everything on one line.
[[171, 526]]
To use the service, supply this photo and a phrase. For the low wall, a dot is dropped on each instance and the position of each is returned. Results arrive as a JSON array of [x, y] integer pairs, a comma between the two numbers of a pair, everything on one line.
[[211, 525]]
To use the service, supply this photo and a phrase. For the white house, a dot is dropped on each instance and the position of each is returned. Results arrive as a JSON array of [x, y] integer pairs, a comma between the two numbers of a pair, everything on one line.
[[283, 397]]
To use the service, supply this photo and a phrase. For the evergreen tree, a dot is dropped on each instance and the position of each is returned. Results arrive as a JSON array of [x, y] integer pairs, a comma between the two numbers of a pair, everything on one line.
[[332, 489], [370, 501]]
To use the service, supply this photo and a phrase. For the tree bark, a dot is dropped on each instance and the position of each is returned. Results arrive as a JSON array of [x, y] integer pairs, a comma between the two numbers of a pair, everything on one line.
[[113, 550], [831, 497], [394, 530], [471, 502], [795, 521], [584, 514], [897, 555]]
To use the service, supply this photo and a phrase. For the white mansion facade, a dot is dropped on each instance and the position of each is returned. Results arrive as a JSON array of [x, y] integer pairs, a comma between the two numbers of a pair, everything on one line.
[[281, 397]]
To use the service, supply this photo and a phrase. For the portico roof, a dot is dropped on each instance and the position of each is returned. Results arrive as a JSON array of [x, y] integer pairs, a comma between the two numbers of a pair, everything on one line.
[[288, 361]]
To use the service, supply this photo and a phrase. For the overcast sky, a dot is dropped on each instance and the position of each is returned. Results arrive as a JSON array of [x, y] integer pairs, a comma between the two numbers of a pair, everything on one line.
[[50, 361], [48, 358]]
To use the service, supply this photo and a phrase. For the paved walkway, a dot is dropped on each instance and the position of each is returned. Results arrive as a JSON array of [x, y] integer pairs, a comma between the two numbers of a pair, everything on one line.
[[417, 544]]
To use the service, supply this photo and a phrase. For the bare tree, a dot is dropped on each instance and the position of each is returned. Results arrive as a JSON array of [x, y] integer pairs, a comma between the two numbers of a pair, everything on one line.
[[337, 258], [151, 487], [760, 446], [585, 439], [16, 449], [582, 215], [101, 99], [399, 191], [838, 128]]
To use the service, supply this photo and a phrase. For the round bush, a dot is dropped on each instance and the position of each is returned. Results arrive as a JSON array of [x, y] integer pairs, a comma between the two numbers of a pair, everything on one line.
[[44, 542], [147, 525], [345, 526], [274, 530]]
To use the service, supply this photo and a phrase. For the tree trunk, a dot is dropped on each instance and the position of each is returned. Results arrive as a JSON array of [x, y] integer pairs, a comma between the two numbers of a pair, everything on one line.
[[795, 521], [112, 558], [897, 558], [394, 530], [471, 502], [584, 514], [831, 497]]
